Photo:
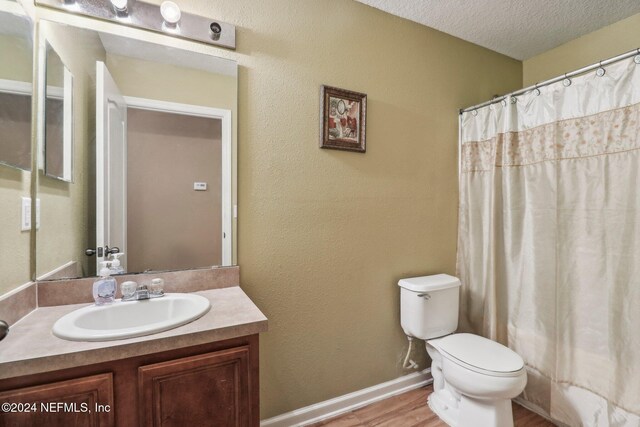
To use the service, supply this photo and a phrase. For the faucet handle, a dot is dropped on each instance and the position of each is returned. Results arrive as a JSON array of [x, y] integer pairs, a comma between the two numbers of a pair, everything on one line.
[[157, 286], [128, 289]]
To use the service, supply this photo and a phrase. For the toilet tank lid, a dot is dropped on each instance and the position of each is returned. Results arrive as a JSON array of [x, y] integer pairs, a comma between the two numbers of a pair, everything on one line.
[[481, 353], [435, 282]]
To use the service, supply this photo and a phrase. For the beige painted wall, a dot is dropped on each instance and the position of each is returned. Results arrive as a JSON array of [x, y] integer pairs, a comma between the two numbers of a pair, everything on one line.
[[70, 206], [14, 184], [19, 50], [15, 254], [604, 43], [325, 235], [169, 224]]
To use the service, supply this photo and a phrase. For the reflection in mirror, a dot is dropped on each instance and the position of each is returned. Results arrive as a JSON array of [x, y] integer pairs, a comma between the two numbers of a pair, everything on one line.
[[58, 123], [16, 88], [153, 171]]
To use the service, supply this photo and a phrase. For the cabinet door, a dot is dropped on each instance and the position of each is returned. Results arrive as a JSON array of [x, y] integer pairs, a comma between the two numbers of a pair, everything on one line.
[[211, 389], [86, 401]]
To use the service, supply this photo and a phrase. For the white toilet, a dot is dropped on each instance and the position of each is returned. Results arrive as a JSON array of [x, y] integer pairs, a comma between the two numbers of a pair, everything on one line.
[[474, 379]]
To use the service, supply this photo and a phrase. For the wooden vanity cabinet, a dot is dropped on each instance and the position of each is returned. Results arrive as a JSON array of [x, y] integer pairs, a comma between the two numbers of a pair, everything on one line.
[[70, 403], [214, 384]]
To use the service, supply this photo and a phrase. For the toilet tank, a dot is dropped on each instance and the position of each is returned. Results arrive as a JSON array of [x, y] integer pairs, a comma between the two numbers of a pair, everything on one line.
[[429, 305]]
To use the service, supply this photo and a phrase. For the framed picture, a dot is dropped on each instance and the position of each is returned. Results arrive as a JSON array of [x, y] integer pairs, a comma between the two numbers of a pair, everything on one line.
[[343, 116]]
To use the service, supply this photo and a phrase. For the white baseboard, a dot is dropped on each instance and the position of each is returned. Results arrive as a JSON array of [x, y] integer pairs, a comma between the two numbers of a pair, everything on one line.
[[537, 410], [348, 402]]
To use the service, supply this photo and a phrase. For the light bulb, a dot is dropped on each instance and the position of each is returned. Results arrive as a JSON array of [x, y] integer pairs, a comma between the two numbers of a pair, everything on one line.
[[119, 5], [170, 12]]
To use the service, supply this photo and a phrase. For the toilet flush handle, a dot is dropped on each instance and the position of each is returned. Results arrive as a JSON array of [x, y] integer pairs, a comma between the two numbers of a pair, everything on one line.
[[425, 296]]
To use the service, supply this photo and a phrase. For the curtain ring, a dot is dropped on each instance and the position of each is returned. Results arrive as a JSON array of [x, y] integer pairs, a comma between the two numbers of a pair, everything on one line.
[[636, 58], [474, 112], [536, 91], [567, 81], [600, 71]]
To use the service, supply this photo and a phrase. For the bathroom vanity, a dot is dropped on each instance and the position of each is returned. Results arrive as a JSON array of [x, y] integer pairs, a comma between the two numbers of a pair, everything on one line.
[[85, 183], [202, 373]]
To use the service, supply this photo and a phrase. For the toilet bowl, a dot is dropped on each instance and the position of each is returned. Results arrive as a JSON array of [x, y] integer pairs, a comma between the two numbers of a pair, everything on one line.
[[473, 390], [474, 378]]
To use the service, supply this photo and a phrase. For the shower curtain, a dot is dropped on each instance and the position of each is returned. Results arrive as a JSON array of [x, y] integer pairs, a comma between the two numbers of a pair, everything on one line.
[[549, 241]]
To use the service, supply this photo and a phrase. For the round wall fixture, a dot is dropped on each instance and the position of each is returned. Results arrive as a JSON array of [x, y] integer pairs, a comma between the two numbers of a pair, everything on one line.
[[214, 30], [170, 12], [119, 5]]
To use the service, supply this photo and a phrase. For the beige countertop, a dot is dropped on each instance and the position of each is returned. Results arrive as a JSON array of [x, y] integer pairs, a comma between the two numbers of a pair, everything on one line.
[[32, 348]]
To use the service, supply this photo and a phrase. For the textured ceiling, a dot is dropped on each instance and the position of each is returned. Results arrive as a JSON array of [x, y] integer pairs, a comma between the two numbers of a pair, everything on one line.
[[517, 28]]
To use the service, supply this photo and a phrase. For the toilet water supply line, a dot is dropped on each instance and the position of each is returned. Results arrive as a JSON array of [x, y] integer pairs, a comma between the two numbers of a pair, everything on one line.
[[411, 364]]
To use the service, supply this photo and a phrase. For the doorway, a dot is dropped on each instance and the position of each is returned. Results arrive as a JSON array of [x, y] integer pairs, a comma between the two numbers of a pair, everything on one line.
[[174, 186]]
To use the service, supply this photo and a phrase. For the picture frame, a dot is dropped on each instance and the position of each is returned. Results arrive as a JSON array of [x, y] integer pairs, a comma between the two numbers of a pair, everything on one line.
[[343, 117]]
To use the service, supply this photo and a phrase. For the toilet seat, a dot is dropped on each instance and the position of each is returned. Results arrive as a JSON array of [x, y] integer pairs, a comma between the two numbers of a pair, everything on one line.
[[480, 355]]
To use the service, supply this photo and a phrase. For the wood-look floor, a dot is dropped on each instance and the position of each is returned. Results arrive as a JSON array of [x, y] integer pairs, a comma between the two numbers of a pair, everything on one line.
[[411, 410]]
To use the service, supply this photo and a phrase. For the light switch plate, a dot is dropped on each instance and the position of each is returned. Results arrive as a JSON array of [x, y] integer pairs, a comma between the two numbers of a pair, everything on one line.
[[200, 186], [25, 219], [37, 214]]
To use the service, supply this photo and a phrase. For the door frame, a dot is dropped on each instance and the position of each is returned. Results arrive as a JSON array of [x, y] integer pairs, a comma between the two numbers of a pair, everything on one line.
[[103, 169], [208, 112]]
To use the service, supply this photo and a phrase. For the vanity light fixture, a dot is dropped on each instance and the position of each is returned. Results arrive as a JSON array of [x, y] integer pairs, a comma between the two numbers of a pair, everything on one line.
[[166, 19]]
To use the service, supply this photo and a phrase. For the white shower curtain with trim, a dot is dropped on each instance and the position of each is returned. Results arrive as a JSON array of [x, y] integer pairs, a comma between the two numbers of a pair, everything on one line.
[[549, 241]]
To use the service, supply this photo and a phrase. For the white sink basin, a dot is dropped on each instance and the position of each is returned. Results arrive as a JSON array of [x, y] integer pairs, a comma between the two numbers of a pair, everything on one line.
[[130, 319]]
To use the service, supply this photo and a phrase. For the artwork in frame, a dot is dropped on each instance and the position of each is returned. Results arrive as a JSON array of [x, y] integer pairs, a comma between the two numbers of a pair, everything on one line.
[[343, 119]]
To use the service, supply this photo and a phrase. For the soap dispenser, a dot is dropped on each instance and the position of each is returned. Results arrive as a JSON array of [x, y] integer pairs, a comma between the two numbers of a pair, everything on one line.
[[116, 268], [104, 289]]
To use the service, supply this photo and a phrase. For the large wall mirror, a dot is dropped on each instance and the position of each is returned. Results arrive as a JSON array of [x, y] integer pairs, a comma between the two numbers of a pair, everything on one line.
[[16, 88], [142, 154]]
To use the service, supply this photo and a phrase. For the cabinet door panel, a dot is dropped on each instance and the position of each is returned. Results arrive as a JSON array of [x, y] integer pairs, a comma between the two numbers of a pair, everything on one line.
[[205, 390], [86, 401]]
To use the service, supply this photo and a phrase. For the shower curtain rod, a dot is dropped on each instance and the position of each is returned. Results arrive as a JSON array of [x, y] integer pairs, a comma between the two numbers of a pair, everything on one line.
[[582, 70]]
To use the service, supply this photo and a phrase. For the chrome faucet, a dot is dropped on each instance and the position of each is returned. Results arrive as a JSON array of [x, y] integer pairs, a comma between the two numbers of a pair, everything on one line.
[[134, 292], [142, 292]]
